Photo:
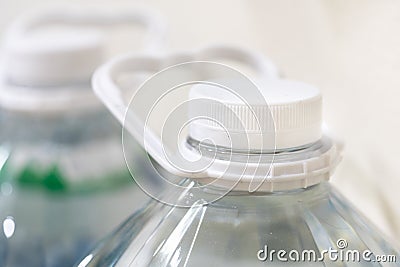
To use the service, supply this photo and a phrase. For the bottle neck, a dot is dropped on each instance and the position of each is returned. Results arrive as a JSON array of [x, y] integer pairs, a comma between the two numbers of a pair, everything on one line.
[[223, 152], [248, 201], [271, 170]]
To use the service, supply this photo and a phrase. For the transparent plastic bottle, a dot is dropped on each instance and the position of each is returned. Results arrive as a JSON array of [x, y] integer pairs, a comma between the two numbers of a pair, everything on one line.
[[293, 217], [56, 186], [63, 177]]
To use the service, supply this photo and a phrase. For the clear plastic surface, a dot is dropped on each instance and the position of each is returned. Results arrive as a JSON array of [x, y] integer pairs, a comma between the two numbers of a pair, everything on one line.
[[241, 229]]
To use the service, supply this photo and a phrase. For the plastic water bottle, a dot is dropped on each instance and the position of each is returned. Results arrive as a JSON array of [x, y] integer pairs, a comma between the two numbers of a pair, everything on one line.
[[63, 178], [264, 198]]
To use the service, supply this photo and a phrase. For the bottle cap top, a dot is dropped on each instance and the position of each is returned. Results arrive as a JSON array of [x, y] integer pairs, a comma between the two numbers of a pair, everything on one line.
[[290, 115], [52, 59]]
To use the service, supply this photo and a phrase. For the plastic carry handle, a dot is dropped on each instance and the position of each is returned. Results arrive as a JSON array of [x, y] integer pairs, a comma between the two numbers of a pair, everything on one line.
[[106, 88], [262, 66], [154, 25]]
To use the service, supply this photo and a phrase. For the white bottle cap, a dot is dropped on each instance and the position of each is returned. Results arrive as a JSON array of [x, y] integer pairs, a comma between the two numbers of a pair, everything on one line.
[[48, 68], [52, 59], [38, 54], [290, 117]]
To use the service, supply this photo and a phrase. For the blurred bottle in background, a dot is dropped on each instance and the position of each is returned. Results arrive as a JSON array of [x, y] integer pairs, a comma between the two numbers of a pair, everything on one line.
[[63, 179]]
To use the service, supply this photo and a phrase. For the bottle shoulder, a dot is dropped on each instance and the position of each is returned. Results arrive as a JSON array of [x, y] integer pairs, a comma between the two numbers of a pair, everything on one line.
[[232, 233]]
